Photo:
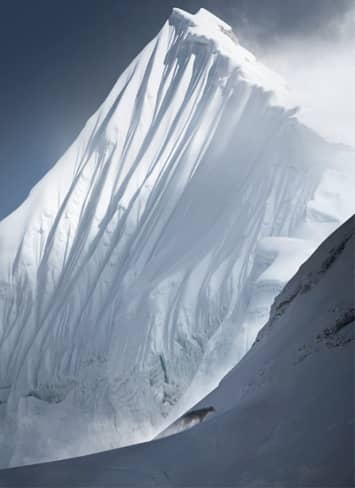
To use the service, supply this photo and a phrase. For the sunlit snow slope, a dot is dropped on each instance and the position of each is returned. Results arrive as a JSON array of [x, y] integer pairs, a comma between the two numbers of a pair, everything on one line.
[[283, 417], [148, 257]]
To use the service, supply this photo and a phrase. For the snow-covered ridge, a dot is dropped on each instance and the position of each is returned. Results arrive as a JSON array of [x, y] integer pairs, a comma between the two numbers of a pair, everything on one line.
[[138, 265], [205, 28], [315, 312], [309, 338], [283, 416]]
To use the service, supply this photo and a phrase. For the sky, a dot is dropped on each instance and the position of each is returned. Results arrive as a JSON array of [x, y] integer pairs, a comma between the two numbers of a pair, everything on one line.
[[59, 60]]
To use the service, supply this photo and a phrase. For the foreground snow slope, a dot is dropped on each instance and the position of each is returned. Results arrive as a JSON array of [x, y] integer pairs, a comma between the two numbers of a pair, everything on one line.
[[284, 416], [146, 260]]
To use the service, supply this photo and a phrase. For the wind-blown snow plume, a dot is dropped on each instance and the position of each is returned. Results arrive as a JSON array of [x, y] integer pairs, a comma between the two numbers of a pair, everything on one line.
[[146, 260], [320, 69]]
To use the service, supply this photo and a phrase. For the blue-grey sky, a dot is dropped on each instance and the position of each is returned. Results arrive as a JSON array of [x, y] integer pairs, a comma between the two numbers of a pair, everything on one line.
[[59, 59]]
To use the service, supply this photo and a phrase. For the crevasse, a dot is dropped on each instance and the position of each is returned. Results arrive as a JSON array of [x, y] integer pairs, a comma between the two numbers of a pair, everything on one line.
[[140, 269]]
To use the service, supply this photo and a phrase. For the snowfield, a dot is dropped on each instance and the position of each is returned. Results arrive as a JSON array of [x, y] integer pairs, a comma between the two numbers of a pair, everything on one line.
[[141, 268], [284, 416]]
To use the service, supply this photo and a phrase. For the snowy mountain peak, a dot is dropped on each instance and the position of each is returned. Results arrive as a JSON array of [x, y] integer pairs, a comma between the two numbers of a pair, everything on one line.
[[206, 21], [139, 263], [206, 29]]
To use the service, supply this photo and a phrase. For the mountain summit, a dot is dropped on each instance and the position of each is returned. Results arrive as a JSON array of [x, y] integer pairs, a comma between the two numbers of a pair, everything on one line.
[[142, 266]]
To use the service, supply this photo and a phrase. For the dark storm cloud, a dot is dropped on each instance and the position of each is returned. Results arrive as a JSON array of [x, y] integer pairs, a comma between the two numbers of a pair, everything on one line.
[[59, 60]]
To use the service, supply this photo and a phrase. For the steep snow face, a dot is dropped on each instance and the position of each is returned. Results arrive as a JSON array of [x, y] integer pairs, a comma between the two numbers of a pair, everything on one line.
[[146, 260], [284, 416]]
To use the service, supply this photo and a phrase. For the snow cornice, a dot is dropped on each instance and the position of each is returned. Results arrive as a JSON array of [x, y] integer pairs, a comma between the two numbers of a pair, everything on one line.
[[207, 30]]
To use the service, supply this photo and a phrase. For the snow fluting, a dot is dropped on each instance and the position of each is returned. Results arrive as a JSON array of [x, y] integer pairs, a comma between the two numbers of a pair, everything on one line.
[[283, 416], [140, 269]]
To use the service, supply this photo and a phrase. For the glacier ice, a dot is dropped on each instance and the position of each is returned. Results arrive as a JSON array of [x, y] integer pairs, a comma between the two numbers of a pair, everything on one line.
[[141, 267]]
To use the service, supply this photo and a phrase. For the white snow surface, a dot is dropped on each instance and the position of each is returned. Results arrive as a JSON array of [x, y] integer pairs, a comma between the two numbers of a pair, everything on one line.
[[141, 267], [284, 416]]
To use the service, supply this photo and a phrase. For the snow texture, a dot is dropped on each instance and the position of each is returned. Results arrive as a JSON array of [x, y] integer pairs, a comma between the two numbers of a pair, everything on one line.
[[143, 265], [284, 416]]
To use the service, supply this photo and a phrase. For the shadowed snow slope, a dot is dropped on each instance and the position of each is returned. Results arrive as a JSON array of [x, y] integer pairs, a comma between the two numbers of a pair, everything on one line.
[[142, 266], [284, 416]]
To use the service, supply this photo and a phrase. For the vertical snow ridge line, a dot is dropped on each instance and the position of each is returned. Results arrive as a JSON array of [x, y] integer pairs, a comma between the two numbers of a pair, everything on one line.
[[146, 260]]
